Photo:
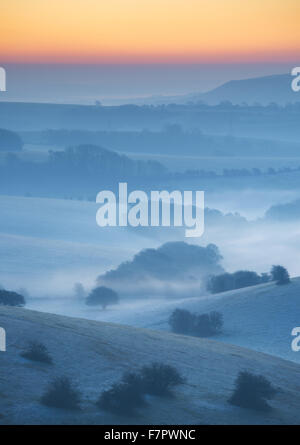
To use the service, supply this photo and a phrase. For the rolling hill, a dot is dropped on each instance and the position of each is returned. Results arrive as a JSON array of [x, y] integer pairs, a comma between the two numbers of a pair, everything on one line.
[[258, 317], [95, 354]]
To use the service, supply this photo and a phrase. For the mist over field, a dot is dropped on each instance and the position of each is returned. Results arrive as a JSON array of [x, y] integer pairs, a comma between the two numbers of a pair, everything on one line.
[[55, 159]]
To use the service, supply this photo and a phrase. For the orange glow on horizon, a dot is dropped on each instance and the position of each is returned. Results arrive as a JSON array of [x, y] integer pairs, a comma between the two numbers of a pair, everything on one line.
[[149, 31]]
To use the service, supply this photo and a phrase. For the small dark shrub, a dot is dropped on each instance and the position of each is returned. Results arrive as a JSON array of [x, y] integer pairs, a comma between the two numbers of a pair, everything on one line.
[[122, 399], [252, 391], [280, 275], [127, 396], [159, 379], [9, 298], [62, 394], [37, 352]]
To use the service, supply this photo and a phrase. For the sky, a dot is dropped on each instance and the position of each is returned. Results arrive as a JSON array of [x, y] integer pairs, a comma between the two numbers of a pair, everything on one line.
[[162, 35]]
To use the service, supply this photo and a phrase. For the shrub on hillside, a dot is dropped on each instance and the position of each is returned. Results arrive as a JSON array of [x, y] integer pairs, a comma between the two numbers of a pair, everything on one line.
[[9, 298], [203, 325], [122, 399], [159, 379], [37, 352], [127, 396], [61, 393], [252, 391]]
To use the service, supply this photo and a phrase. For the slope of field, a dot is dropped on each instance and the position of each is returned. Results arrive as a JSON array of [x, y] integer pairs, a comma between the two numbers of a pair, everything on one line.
[[259, 317], [95, 354]]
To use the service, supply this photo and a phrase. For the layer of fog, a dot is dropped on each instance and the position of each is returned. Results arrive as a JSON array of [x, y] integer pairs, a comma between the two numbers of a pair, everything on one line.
[[49, 245]]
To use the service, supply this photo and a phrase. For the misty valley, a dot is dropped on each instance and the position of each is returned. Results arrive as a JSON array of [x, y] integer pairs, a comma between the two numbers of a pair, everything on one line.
[[112, 312]]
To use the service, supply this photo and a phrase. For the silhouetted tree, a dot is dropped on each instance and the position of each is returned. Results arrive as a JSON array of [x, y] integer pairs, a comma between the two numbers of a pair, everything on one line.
[[103, 296], [280, 275]]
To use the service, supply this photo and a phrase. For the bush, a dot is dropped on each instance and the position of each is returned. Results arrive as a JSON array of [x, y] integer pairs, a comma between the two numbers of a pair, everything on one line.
[[122, 398], [159, 379], [127, 396], [9, 298], [102, 296], [182, 321], [252, 391], [236, 280], [203, 325], [37, 352], [207, 325], [280, 275], [62, 394]]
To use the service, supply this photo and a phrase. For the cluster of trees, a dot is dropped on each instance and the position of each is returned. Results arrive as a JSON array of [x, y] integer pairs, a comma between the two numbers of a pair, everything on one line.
[[124, 397], [244, 278], [237, 280], [156, 271], [203, 325], [9, 298]]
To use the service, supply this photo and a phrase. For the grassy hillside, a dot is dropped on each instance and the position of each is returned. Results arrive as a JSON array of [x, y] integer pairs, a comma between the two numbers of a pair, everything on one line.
[[258, 317], [95, 354]]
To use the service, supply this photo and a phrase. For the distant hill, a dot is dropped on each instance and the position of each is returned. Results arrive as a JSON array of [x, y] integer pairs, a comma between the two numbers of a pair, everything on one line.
[[94, 355], [263, 90]]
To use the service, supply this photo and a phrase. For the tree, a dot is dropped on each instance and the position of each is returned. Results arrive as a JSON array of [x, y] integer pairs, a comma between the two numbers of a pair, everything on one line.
[[9, 298], [181, 321], [103, 296], [61, 393], [252, 391], [280, 275]]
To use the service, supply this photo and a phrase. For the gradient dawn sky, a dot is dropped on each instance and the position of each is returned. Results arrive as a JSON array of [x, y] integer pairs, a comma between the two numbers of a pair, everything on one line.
[[178, 33], [149, 30]]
